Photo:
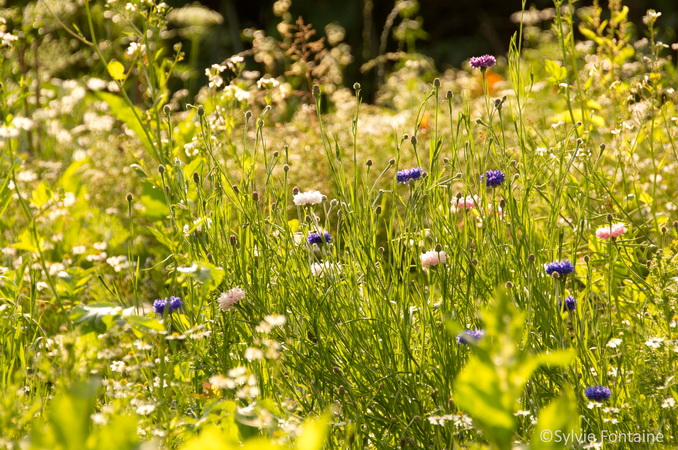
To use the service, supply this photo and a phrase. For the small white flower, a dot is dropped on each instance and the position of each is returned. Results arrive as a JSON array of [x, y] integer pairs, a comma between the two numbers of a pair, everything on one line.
[[145, 409], [654, 342], [669, 402], [253, 353], [118, 366], [267, 83], [308, 198], [614, 343]]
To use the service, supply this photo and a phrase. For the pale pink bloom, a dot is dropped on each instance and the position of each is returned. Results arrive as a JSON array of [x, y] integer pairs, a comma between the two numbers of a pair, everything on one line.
[[229, 299], [433, 258], [468, 202], [614, 231]]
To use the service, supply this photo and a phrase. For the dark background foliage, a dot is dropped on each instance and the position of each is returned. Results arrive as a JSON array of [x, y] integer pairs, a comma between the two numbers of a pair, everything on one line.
[[457, 29]]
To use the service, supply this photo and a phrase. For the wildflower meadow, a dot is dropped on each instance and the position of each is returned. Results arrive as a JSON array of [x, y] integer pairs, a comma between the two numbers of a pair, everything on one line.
[[252, 255]]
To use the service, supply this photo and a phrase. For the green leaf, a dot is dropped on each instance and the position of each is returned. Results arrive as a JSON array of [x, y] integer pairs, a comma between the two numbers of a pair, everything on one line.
[[141, 173], [209, 276], [153, 200], [557, 420], [96, 318], [478, 391], [41, 195], [126, 114], [144, 324], [116, 70], [69, 415]]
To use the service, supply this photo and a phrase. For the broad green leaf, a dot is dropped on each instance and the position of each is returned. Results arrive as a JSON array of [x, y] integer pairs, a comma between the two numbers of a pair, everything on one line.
[[145, 324], [26, 242], [96, 318], [41, 195], [559, 419], [126, 114], [69, 415], [116, 70], [478, 391], [119, 433], [154, 202]]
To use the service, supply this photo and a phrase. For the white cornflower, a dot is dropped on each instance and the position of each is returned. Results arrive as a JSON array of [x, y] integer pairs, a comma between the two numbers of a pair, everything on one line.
[[433, 258], [229, 299], [308, 198]]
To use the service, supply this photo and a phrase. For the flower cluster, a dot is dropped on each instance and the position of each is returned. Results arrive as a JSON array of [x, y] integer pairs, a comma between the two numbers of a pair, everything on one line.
[[173, 303], [317, 238], [559, 267], [406, 175], [611, 232], [229, 299], [493, 178], [308, 198], [482, 62], [470, 336], [597, 393]]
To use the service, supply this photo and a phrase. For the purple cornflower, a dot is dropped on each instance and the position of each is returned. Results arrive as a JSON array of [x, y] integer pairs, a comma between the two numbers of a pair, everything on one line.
[[410, 174], [316, 238], [597, 393], [493, 178], [173, 303], [482, 62], [570, 303], [559, 267], [470, 336]]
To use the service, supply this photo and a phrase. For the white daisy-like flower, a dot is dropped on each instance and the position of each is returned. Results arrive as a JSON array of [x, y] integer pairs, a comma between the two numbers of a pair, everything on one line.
[[614, 343], [229, 299], [654, 342], [308, 198]]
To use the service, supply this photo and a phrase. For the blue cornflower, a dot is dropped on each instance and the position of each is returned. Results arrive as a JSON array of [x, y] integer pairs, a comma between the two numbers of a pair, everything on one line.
[[468, 336], [316, 238], [559, 267], [173, 303], [570, 303], [410, 174], [482, 62], [597, 393], [493, 178]]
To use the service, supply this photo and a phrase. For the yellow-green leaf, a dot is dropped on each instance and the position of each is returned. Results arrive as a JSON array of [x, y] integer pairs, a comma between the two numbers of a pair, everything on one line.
[[116, 70]]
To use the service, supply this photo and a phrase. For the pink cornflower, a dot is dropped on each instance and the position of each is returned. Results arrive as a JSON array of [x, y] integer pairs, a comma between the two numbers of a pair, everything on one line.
[[229, 299], [433, 258], [613, 231], [468, 202]]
